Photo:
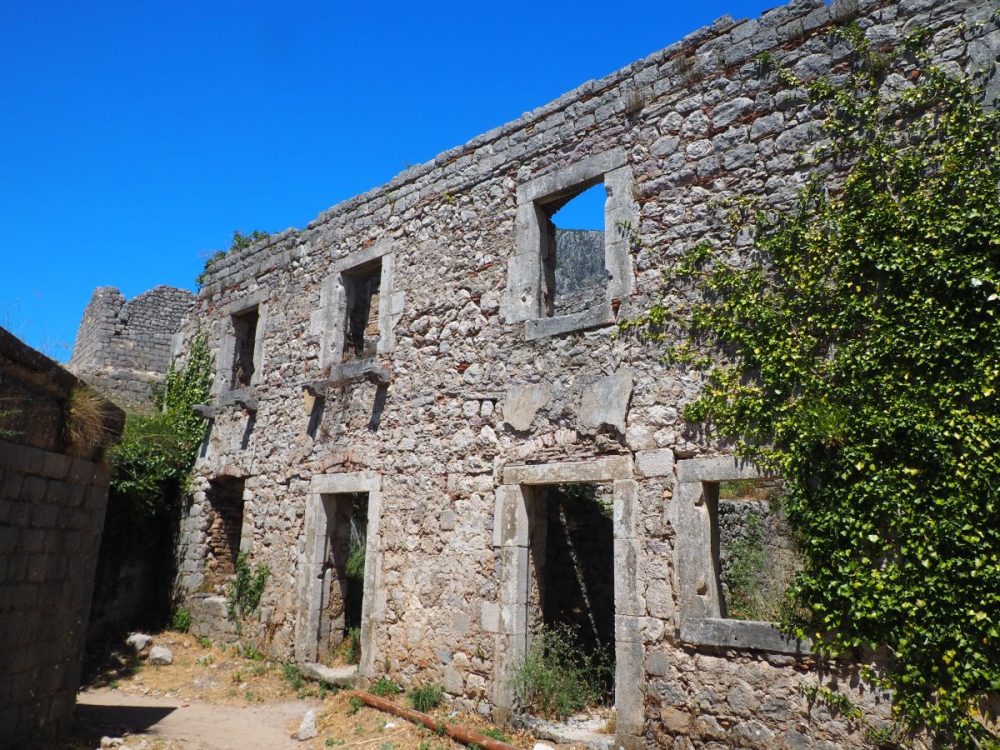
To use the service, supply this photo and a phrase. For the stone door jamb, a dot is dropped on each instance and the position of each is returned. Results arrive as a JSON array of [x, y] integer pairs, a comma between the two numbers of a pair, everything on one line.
[[511, 538], [310, 577]]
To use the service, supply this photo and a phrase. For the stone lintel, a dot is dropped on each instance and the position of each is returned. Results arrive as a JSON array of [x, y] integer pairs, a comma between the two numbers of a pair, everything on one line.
[[246, 302], [553, 184], [716, 469], [604, 469], [359, 258], [340, 484]]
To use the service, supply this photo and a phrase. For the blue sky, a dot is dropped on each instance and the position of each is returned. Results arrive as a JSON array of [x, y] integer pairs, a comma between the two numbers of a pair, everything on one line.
[[136, 136]]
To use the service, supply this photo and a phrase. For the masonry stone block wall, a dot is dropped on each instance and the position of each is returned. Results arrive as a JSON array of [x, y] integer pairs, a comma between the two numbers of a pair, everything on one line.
[[52, 501], [123, 347], [480, 390]]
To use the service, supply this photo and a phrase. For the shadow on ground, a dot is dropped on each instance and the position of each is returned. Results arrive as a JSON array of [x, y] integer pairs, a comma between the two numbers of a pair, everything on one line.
[[106, 662], [96, 720]]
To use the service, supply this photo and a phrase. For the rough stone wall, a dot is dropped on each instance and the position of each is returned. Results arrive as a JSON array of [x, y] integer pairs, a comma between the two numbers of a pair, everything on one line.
[[468, 392], [124, 347], [52, 501], [580, 275]]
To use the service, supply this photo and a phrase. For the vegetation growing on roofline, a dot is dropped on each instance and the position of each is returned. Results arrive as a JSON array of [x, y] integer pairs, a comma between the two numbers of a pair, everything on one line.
[[859, 357], [240, 241]]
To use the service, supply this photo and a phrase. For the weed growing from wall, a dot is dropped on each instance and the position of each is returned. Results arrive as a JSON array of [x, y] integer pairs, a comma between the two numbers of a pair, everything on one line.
[[6, 413], [384, 687], [425, 697], [152, 462], [240, 242], [84, 420], [181, 620], [246, 589]]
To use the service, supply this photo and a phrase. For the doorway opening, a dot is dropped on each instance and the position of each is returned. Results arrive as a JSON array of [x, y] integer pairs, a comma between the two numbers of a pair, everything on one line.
[[570, 658], [343, 572]]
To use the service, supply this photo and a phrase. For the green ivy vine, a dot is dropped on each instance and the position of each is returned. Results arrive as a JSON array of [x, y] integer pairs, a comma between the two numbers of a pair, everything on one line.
[[152, 462], [859, 357]]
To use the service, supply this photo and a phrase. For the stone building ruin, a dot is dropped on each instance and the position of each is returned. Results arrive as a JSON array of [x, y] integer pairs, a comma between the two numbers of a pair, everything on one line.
[[123, 348], [419, 356]]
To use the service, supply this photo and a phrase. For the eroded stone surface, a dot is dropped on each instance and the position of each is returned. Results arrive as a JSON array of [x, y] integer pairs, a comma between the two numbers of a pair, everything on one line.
[[160, 656], [605, 401]]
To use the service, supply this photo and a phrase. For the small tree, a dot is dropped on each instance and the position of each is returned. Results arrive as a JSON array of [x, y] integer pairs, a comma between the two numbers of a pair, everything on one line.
[[860, 359], [150, 469], [152, 462]]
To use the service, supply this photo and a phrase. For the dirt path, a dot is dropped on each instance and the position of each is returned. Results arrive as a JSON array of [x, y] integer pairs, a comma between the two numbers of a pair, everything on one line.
[[192, 725], [213, 697]]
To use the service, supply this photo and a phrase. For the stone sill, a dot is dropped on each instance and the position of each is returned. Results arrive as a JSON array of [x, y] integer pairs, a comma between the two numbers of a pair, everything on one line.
[[347, 372], [245, 397], [742, 634], [343, 676], [595, 317]]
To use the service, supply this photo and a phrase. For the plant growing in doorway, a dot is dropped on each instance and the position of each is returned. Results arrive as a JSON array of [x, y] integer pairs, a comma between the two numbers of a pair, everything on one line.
[[558, 678]]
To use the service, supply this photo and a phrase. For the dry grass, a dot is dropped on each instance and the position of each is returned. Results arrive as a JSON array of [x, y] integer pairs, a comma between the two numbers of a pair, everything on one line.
[[216, 674], [84, 420]]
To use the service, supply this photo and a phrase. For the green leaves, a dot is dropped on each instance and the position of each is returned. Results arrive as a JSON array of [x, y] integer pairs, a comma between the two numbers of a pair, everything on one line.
[[860, 358], [246, 589], [152, 461], [240, 241]]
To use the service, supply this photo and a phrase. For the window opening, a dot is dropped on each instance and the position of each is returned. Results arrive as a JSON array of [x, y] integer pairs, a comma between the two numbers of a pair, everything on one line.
[[755, 553], [574, 267], [361, 325], [571, 595], [225, 526], [344, 574], [245, 335]]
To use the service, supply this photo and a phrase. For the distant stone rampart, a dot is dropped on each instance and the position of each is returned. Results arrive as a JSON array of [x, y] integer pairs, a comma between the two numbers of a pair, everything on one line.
[[123, 347]]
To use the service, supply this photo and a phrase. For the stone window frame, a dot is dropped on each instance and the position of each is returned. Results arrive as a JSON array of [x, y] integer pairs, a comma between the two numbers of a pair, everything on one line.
[[309, 582], [701, 621], [227, 346], [329, 321], [511, 527], [525, 269]]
